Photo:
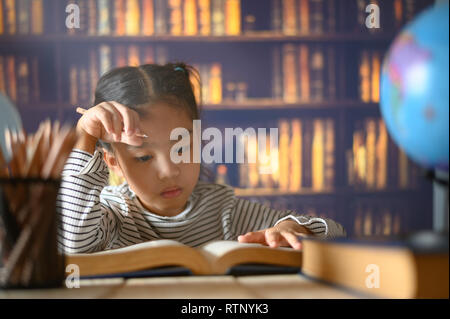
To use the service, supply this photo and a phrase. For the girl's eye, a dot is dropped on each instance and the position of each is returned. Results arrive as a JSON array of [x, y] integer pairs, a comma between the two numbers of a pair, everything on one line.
[[144, 158]]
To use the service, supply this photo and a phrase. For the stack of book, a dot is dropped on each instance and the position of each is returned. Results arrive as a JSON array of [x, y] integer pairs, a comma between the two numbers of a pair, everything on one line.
[[19, 78], [21, 17], [158, 17]]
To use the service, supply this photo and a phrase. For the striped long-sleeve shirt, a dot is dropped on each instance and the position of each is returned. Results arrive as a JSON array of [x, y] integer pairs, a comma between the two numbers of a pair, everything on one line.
[[96, 216]]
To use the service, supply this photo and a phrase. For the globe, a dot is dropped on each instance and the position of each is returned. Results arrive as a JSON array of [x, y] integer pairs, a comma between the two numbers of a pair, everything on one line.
[[414, 89], [9, 118]]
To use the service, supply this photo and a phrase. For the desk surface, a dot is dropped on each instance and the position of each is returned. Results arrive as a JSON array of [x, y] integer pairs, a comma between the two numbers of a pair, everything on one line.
[[193, 287]]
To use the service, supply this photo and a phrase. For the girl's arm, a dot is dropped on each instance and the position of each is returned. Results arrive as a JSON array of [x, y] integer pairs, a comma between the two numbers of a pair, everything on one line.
[[87, 224]]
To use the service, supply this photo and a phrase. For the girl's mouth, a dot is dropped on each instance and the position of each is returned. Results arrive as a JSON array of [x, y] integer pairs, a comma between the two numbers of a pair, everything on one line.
[[171, 192]]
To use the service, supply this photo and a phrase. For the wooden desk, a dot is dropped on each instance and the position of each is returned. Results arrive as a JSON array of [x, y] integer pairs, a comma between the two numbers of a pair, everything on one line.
[[193, 287]]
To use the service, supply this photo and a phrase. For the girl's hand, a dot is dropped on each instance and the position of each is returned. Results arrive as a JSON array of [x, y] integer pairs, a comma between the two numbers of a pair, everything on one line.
[[111, 122], [284, 234]]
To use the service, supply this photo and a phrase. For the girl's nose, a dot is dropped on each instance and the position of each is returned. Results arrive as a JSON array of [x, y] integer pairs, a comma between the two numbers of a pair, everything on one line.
[[166, 168]]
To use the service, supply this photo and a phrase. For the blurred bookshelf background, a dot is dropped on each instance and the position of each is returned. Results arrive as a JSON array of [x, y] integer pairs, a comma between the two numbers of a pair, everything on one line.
[[311, 68]]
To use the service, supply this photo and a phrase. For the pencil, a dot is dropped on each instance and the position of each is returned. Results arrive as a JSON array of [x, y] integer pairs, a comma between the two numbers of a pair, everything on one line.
[[82, 111]]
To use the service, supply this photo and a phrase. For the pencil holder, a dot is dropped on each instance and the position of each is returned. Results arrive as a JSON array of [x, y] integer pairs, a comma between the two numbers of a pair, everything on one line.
[[28, 234]]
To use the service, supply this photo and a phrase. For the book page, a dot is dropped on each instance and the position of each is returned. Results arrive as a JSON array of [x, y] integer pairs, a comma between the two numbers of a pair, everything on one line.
[[140, 246], [219, 248]]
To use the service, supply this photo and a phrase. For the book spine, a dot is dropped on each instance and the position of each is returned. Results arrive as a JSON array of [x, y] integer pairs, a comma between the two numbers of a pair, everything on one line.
[[2, 76], [316, 16], [277, 78], [370, 127], [382, 153], [204, 75], [83, 85], [317, 155], [305, 90], [331, 71], [218, 17], [204, 17], [232, 17], [119, 16], [364, 77], [23, 80], [92, 17], [215, 83], [317, 74], [284, 155], [120, 56], [276, 16], [190, 17], [290, 80], [252, 152], [93, 73], [133, 55], [2, 18], [104, 18], [295, 162], [331, 13], [149, 55], [359, 155], [375, 77], [289, 17], [11, 76], [132, 17], [161, 17], [73, 85], [175, 13], [398, 13], [35, 78], [403, 176], [148, 17], [10, 6], [304, 15], [23, 17], [104, 58], [307, 153], [329, 151], [37, 17]]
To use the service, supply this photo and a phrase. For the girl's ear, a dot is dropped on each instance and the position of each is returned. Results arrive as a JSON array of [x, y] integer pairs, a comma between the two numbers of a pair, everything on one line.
[[112, 163]]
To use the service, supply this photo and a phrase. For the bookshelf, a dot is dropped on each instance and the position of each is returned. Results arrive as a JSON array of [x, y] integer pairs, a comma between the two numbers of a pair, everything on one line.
[[257, 31]]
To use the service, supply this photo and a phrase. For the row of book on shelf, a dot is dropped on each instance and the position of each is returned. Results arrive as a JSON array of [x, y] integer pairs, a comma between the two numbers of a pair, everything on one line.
[[307, 17], [21, 17], [158, 17], [304, 73], [83, 77], [195, 17], [19, 78], [305, 159]]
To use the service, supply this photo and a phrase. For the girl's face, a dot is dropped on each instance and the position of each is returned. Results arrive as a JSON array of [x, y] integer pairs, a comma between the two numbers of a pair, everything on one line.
[[162, 186]]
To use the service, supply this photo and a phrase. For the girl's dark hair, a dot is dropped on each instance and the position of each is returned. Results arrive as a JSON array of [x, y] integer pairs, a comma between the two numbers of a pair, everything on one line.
[[133, 87], [136, 87]]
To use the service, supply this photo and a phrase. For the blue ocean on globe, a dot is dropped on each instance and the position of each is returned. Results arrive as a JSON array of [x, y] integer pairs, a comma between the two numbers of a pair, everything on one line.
[[414, 88]]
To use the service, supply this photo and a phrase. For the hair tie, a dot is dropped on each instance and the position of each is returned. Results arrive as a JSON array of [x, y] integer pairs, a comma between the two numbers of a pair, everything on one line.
[[179, 68]]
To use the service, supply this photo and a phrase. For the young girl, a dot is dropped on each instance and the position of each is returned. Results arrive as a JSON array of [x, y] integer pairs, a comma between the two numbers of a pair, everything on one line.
[[160, 199]]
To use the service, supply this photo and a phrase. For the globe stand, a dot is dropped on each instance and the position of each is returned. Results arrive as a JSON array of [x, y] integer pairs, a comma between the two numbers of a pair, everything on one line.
[[440, 200]]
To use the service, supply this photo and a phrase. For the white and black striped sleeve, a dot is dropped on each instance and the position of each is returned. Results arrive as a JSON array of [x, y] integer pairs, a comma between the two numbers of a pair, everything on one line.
[[252, 216], [86, 223]]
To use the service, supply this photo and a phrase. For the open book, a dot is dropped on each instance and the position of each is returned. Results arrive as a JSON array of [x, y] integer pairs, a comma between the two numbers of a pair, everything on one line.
[[214, 258]]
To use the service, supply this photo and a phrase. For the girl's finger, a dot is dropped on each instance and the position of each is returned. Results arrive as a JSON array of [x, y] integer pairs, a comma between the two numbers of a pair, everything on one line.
[[252, 237], [116, 119], [273, 237], [127, 117], [106, 119], [291, 239]]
